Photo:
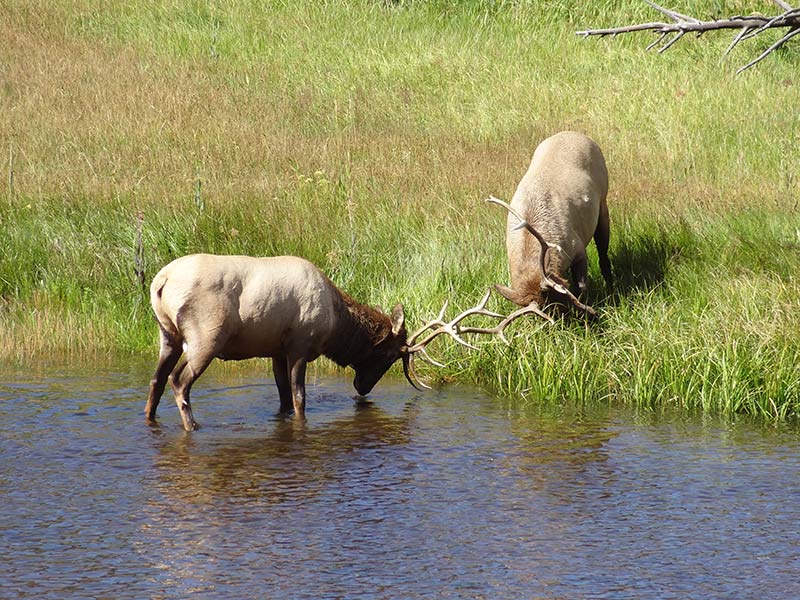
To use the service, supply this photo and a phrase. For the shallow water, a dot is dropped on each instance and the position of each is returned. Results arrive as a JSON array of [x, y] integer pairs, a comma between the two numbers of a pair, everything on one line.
[[448, 494]]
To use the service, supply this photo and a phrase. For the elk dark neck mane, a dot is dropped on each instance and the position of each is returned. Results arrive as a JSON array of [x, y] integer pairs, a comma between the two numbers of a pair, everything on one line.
[[361, 328]]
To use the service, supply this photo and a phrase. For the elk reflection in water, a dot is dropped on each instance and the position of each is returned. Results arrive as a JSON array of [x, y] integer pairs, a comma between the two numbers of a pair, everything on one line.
[[294, 461]]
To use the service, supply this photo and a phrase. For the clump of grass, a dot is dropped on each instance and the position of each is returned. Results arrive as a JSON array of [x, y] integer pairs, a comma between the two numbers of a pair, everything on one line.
[[364, 136], [707, 330]]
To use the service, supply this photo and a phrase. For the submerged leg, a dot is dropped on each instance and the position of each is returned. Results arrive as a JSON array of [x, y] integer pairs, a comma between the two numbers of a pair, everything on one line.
[[168, 357], [297, 374], [280, 368], [184, 375]]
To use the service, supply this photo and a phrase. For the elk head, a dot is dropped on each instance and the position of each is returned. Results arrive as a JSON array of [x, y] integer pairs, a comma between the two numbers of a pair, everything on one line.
[[552, 284], [384, 354]]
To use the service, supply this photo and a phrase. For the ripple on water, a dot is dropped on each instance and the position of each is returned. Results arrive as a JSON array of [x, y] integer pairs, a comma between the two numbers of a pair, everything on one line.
[[440, 495]]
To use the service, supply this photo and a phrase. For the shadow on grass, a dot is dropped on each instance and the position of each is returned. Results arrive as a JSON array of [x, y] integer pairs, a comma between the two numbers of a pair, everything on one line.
[[642, 258]]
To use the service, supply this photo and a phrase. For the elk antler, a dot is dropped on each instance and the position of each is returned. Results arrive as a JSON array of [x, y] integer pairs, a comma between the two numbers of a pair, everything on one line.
[[438, 327], [453, 328], [547, 281], [749, 26]]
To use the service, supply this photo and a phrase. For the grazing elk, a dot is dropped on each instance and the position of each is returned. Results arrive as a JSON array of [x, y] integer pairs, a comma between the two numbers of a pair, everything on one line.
[[561, 203], [239, 307]]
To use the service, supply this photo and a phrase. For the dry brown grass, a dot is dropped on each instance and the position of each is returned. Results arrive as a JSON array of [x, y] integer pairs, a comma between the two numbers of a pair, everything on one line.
[[96, 120]]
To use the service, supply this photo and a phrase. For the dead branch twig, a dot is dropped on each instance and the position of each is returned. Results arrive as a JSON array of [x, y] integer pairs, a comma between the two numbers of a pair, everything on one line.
[[749, 26]]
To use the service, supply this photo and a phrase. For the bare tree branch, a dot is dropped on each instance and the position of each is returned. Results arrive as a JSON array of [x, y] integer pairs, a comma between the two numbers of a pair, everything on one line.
[[749, 26], [792, 32], [739, 37]]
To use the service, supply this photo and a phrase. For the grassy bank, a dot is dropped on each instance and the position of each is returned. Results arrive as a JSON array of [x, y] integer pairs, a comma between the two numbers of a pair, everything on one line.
[[364, 136]]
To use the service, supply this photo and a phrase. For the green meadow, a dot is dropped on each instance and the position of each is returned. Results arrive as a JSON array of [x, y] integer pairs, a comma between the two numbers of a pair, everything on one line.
[[365, 135]]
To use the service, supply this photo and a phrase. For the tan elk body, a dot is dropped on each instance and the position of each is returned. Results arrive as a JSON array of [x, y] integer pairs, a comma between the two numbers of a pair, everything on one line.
[[239, 307], [563, 197]]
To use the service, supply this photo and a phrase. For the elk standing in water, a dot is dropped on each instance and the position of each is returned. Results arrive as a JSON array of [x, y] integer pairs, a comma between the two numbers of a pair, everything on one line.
[[239, 307], [561, 203]]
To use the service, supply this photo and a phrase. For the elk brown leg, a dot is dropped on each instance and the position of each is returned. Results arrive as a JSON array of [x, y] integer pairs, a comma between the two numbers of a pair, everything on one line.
[[601, 238], [184, 375], [280, 368], [297, 367], [168, 357]]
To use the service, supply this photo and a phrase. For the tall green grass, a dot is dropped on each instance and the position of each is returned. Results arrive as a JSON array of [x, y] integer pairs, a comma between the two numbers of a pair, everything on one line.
[[364, 136]]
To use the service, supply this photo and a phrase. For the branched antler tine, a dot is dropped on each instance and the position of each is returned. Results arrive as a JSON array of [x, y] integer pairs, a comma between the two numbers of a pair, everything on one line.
[[572, 298], [443, 328], [454, 334], [411, 374], [523, 224], [499, 329], [427, 357], [792, 32], [444, 309], [439, 320], [478, 309], [412, 341], [508, 207], [482, 304], [450, 328], [496, 330], [543, 257], [533, 308]]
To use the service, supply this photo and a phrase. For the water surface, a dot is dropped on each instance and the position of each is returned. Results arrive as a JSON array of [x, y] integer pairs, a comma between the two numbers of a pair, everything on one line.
[[447, 494]]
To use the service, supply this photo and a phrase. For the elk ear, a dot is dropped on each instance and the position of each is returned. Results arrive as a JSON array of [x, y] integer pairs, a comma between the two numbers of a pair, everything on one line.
[[398, 319]]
